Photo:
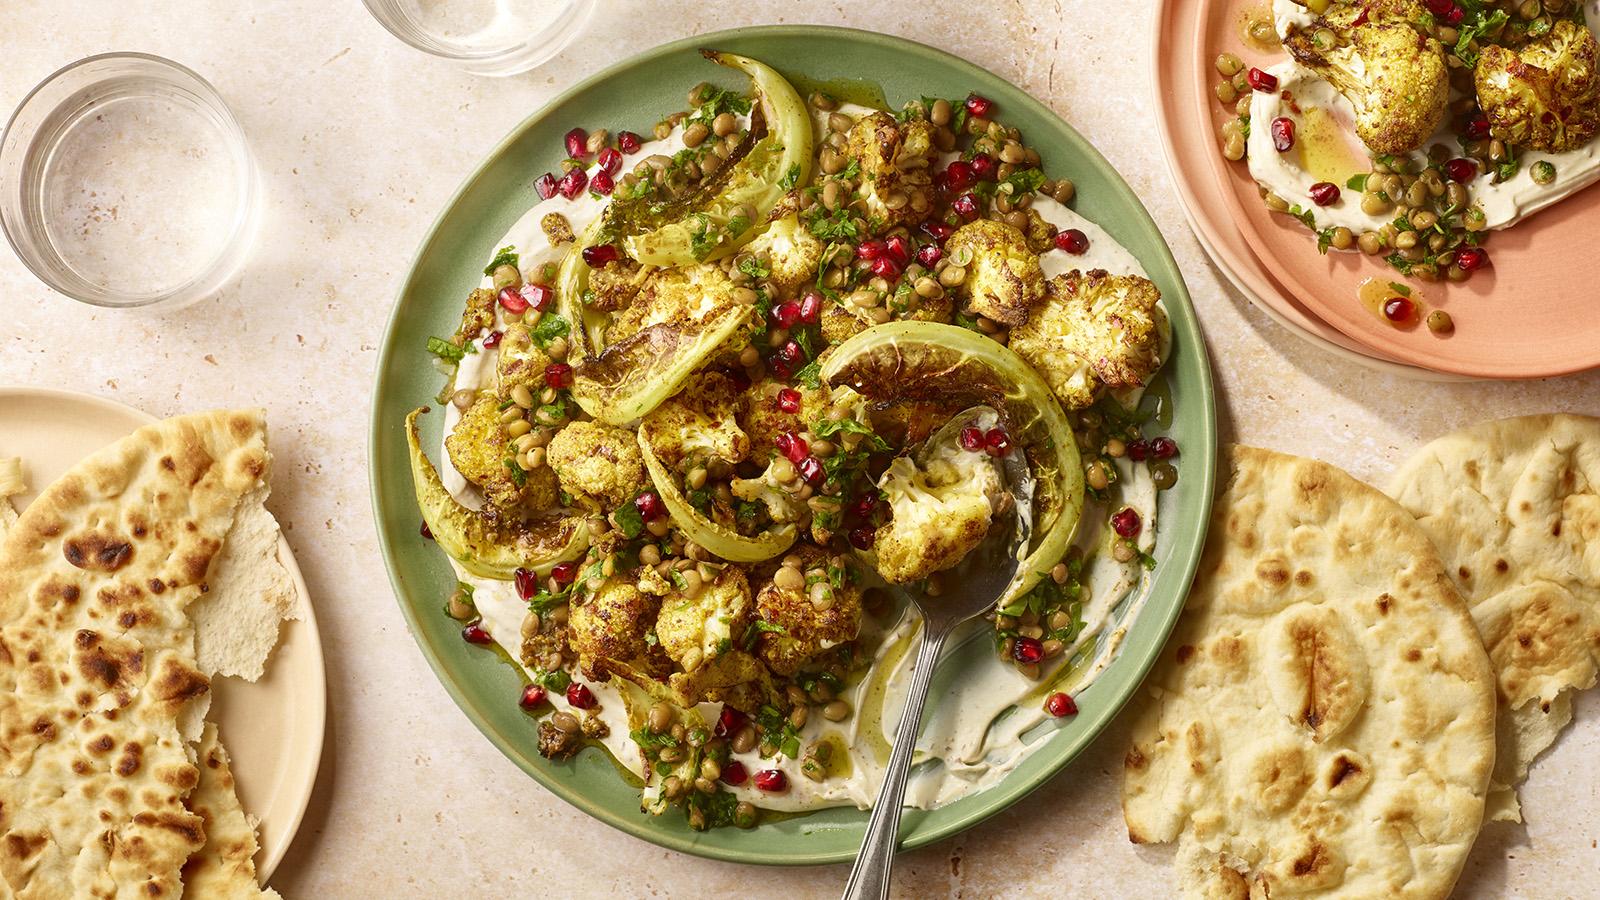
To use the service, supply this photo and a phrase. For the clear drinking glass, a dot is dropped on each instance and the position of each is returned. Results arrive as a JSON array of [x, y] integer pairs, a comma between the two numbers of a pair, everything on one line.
[[487, 37], [126, 182]]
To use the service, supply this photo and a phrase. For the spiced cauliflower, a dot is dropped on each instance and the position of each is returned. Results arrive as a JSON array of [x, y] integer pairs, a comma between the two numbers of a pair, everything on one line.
[[1094, 331], [481, 452], [609, 630], [698, 425], [598, 465], [896, 175], [1544, 94], [939, 511], [793, 628], [1004, 279]]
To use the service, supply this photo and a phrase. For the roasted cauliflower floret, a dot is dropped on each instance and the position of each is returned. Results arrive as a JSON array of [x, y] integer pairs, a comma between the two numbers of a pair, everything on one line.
[[519, 361], [763, 420], [695, 630], [477, 317], [939, 511], [1546, 93], [682, 295], [767, 490], [598, 465], [1394, 76], [1095, 330], [697, 425], [896, 178], [841, 322], [614, 285], [609, 631], [477, 448], [791, 252], [1004, 280], [794, 629]]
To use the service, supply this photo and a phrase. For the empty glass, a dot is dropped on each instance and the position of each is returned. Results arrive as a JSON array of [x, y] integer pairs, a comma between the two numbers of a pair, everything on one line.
[[488, 37]]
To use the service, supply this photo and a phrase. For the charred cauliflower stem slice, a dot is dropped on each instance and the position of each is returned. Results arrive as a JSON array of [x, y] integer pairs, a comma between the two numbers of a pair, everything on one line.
[[1094, 331], [1393, 75], [598, 466], [896, 178], [939, 511], [1004, 279], [1544, 94]]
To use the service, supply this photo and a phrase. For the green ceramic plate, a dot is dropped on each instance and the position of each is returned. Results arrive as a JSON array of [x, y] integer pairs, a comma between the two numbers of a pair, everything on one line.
[[634, 95]]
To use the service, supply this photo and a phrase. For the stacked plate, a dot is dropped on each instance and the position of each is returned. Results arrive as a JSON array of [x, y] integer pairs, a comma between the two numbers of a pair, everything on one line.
[[1529, 316]]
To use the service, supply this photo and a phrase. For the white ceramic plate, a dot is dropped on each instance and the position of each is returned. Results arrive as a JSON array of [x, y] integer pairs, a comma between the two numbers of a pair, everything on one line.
[[273, 727]]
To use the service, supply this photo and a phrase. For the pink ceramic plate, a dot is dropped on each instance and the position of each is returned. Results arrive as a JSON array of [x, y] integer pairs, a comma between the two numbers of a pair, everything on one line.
[[1529, 316]]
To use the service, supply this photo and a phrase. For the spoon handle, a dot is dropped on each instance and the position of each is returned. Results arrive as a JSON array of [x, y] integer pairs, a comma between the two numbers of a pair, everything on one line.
[[869, 880]]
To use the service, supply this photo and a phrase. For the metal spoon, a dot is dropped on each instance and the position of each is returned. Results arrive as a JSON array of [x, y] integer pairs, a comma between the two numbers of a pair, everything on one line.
[[974, 586]]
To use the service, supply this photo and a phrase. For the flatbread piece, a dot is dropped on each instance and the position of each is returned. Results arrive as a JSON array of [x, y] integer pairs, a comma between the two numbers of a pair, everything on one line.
[[1322, 720]]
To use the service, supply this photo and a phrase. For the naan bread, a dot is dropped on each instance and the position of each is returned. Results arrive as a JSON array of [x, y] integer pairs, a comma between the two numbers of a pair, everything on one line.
[[97, 659], [11, 482], [1323, 717], [224, 869], [1514, 508]]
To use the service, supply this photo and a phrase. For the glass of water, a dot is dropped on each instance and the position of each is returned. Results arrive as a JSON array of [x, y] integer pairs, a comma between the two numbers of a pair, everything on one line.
[[487, 37], [126, 182]]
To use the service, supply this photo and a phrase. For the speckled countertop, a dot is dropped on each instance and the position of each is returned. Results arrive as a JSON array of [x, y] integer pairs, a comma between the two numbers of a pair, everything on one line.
[[362, 140]]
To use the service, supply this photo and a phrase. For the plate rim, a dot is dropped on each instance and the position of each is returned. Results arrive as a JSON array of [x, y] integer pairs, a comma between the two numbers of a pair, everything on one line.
[[1188, 545], [313, 636], [1261, 280]]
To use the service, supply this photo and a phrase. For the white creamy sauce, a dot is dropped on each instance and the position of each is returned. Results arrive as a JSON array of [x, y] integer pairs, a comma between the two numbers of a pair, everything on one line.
[[977, 727], [1286, 174]]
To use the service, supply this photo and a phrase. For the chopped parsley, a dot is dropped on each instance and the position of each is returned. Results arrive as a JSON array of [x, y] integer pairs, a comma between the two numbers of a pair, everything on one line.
[[753, 268], [506, 257], [1357, 182], [827, 428], [551, 326], [1471, 30], [836, 227], [554, 680], [1025, 182], [810, 375], [790, 178], [445, 350], [628, 520]]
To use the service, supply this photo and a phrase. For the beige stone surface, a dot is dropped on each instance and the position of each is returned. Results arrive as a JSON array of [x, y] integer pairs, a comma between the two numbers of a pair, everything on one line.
[[361, 141]]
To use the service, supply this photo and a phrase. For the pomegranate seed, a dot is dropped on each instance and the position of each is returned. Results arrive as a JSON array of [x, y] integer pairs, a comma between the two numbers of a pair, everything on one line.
[[729, 723], [984, 166], [1324, 193], [941, 183], [1027, 650], [425, 531], [886, 268], [979, 106], [929, 255], [870, 249], [939, 231], [1439, 7], [966, 206], [1477, 127], [773, 781], [538, 295], [1461, 170], [1283, 134], [864, 505], [527, 584], [492, 339], [563, 573], [862, 538], [789, 400], [1454, 16], [572, 183], [959, 176], [734, 773], [558, 375], [997, 442], [1126, 522], [649, 506], [473, 633], [601, 183], [577, 143], [791, 351], [1138, 451], [898, 248], [1060, 705], [628, 142], [795, 449], [532, 696], [781, 369], [1163, 447], [1472, 259], [811, 470], [1398, 309], [600, 254], [1072, 241], [580, 696], [1262, 81], [512, 300], [609, 161], [811, 308], [786, 314], [546, 186], [972, 438]]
